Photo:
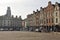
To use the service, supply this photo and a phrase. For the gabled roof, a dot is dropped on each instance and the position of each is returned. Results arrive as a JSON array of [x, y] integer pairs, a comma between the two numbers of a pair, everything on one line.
[[59, 4], [53, 5]]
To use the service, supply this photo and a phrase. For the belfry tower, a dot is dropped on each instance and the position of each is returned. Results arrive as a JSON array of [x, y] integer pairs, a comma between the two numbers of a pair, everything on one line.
[[8, 13]]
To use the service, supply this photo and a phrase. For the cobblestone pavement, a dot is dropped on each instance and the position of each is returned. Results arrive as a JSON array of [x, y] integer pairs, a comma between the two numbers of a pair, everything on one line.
[[17, 35]]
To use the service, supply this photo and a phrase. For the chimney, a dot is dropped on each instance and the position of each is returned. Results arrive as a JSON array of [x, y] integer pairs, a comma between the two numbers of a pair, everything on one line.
[[40, 7], [37, 10], [33, 11], [16, 16], [20, 18], [12, 16]]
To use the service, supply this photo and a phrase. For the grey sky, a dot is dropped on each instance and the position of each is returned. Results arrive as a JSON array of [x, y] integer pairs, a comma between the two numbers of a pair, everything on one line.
[[23, 7]]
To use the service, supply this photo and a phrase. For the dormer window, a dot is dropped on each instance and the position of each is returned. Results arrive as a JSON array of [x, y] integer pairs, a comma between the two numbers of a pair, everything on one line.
[[56, 3], [49, 3], [56, 8]]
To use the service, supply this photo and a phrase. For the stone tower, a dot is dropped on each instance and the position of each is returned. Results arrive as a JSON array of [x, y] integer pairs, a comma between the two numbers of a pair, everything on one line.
[[8, 12]]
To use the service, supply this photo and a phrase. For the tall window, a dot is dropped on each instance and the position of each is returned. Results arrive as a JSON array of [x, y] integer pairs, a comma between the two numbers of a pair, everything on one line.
[[46, 15], [56, 20], [47, 20], [4, 22], [8, 23], [56, 13], [52, 20], [44, 22]]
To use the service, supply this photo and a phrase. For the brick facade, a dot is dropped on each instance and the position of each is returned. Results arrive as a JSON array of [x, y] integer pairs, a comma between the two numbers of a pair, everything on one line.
[[46, 17]]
